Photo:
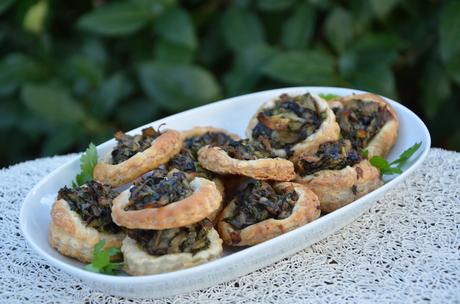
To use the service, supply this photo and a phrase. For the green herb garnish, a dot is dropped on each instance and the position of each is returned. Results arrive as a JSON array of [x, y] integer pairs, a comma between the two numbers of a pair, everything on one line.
[[328, 96], [395, 166], [101, 260], [87, 163]]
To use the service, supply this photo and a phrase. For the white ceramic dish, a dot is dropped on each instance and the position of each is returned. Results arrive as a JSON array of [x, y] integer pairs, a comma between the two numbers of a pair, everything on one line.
[[233, 115]]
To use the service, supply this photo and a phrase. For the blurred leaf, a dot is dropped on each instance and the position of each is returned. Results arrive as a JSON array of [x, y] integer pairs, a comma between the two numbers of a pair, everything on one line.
[[297, 30], [339, 28], [34, 19], [8, 114], [137, 113], [302, 68], [58, 141], [52, 103], [5, 4], [119, 18], [170, 52], [176, 26], [382, 7], [449, 32], [18, 68], [82, 68], [378, 79], [435, 88], [241, 28], [178, 87], [274, 5], [112, 91], [94, 50], [247, 69]]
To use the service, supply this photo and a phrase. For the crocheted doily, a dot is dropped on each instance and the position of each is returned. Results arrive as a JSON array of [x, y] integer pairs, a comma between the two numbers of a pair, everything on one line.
[[405, 249]]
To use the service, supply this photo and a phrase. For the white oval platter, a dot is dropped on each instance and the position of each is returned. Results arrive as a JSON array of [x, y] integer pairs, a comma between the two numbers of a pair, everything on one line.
[[232, 114]]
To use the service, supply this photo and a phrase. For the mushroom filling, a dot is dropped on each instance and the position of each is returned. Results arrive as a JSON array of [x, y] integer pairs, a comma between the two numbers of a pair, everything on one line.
[[360, 121], [247, 150], [185, 161], [291, 120], [128, 146], [258, 201], [189, 239], [159, 189], [333, 155], [93, 203], [209, 138]]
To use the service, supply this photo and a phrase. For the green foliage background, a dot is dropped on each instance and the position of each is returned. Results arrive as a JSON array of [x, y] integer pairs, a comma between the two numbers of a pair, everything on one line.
[[75, 71]]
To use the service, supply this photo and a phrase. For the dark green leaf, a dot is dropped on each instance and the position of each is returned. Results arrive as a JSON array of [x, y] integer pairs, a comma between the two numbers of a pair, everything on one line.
[[241, 28], [137, 113], [382, 7], [112, 91], [18, 68], [302, 68], [298, 29], [84, 69], [376, 78], [247, 69], [177, 27], [53, 103], [5, 4], [390, 168], [59, 141], [87, 163], [274, 5], [178, 87], [339, 28], [435, 90], [449, 32], [120, 18], [170, 52]]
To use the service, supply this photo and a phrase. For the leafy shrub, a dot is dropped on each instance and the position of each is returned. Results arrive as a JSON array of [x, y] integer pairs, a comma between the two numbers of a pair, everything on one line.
[[75, 71]]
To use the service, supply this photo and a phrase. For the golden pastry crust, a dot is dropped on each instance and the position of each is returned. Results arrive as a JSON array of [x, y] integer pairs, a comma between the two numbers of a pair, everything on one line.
[[217, 160], [139, 262], [199, 130], [204, 200], [69, 235], [306, 209], [328, 131], [161, 151], [384, 140], [337, 188]]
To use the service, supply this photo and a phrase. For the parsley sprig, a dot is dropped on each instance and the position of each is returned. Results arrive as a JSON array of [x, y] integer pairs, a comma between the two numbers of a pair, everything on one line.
[[101, 260], [328, 97], [395, 166], [87, 163]]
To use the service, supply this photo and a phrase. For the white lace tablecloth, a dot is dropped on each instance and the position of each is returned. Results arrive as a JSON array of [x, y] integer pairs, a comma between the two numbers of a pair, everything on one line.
[[405, 249]]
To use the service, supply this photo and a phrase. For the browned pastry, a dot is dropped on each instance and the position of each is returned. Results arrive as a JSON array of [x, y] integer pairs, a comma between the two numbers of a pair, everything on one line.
[[168, 201], [368, 121], [266, 212], [163, 146], [294, 124], [157, 251], [81, 221], [337, 174], [218, 160]]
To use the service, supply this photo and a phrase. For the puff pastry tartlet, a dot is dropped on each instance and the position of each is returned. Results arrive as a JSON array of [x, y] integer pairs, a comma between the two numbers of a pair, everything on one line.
[[246, 158], [261, 211], [166, 200], [80, 218], [156, 251], [136, 155], [337, 174], [294, 124], [368, 121]]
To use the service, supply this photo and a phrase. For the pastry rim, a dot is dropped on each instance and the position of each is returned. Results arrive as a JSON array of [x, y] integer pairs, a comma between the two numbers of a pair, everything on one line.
[[204, 200], [162, 149], [306, 209]]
